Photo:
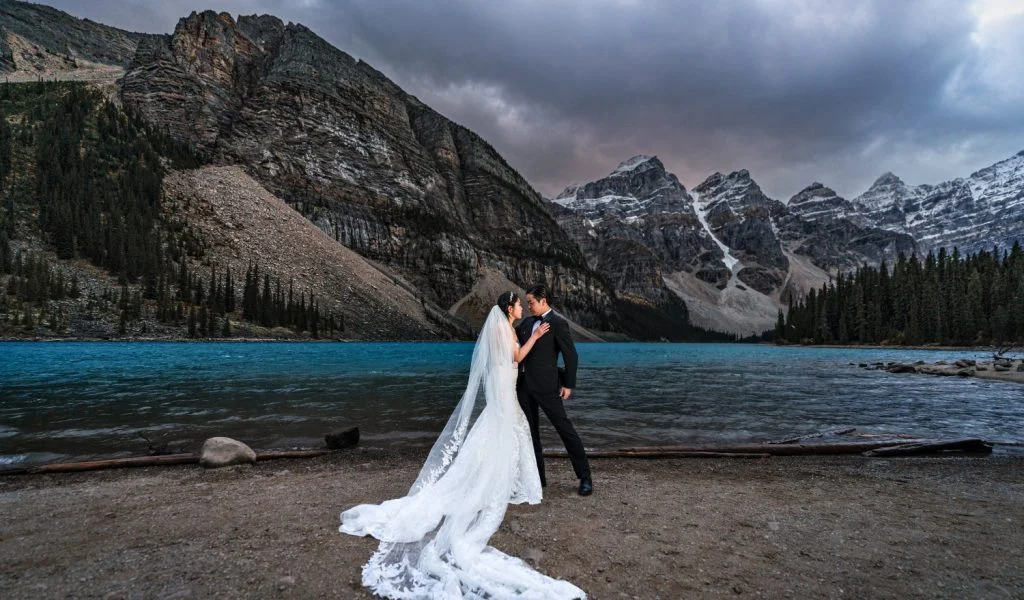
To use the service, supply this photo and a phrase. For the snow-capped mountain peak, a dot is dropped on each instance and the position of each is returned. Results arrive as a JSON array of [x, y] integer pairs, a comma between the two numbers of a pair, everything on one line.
[[640, 162], [635, 188], [817, 202], [975, 213]]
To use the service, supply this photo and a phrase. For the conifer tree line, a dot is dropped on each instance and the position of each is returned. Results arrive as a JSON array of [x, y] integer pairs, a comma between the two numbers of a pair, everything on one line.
[[947, 299], [271, 306], [92, 172], [32, 283]]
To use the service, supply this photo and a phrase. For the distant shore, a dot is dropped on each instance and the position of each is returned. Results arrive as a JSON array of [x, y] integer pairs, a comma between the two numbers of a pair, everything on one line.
[[802, 527], [178, 339], [1008, 369], [989, 349]]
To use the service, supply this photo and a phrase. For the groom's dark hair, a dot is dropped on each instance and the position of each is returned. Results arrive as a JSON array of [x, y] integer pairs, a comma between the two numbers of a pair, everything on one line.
[[539, 291]]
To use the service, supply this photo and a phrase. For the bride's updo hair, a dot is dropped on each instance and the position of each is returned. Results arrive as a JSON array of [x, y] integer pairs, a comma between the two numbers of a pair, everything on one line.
[[507, 301]]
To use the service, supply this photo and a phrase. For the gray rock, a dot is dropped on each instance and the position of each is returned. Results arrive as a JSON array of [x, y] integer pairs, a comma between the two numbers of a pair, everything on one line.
[[533, 556], [343, 439], [374, 167], [222, 452], [285, 582], [59, 34], [972, 214]]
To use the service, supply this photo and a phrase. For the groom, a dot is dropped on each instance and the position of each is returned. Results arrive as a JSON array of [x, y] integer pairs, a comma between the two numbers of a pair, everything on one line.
[[541, 385]]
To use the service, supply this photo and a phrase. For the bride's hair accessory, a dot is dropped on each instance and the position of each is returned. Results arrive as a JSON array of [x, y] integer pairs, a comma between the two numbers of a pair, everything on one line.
[[506, 301]]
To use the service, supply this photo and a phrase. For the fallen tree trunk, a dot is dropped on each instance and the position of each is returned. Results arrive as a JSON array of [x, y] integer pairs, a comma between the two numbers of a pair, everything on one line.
[[116, 463], [147, 461], [635, 453], [825, 449], [275, 454], [874, 448], [970, 445]]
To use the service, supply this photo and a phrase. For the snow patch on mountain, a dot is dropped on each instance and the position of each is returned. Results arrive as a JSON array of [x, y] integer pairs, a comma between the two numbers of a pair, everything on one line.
[[640, 160], [728, 259]]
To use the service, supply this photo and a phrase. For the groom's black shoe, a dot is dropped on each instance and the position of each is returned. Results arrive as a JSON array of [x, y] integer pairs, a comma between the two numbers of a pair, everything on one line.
[[586, 487]]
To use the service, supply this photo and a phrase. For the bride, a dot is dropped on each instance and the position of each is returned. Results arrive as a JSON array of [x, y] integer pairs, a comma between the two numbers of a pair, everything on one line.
[[433, 541]]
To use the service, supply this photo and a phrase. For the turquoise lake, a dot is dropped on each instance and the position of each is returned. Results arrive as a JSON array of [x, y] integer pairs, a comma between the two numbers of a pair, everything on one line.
[[64, 400]]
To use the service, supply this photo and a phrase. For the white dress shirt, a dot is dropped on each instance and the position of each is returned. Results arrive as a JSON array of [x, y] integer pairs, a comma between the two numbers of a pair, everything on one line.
[[537, 323]]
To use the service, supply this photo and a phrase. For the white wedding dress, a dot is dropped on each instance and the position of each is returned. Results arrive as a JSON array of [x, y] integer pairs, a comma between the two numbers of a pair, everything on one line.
[[433, 541]]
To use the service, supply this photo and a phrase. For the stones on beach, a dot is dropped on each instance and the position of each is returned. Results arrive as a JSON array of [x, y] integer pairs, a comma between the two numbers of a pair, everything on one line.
[[285, 582], [1001, 369], [343, 439], [223, 452], [533, 556]]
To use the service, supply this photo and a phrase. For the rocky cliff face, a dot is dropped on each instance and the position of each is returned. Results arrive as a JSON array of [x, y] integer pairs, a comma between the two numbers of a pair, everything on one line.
[[641, 203], [739, 215], [817, 203], [41, 40], [372, 166], [979, 212], [734, 255], [974, 213]]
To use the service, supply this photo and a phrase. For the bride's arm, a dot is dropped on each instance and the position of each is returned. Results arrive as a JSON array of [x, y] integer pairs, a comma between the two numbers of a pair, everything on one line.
[[518, 354]]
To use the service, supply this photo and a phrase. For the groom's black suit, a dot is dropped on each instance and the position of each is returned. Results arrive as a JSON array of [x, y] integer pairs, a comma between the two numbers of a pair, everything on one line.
[[538, 386]]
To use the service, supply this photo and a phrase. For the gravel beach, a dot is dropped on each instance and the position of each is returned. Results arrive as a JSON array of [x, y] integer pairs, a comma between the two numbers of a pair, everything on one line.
[[783, 527]]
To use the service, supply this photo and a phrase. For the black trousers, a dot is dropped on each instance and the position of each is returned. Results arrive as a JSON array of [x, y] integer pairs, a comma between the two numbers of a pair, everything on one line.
[[551, 404]]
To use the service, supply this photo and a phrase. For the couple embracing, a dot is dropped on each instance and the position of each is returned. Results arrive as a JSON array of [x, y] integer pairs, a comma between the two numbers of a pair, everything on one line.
[[433, 541]]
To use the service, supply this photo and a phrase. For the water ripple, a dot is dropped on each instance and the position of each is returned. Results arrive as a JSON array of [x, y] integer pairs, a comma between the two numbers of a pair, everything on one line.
[[79, 399]]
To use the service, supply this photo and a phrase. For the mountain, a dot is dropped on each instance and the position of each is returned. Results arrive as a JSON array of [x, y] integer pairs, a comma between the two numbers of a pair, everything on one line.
[[984, 210], [372, 166], [818, 203], [39, 41], [418, 197], [631, 226], [734, 255]]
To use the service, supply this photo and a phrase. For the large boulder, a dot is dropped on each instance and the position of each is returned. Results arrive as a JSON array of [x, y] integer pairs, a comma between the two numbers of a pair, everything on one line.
[[344, 439], [224, 452]]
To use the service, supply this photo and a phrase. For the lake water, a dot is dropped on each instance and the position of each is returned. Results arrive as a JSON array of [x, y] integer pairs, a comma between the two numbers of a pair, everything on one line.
[[70, 400]]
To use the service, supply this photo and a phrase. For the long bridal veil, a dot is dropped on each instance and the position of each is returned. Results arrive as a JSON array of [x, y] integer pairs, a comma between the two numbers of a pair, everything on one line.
[[433, 541]]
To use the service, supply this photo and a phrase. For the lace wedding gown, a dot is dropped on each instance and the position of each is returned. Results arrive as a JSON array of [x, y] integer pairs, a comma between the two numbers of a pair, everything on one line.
[[433, 541]]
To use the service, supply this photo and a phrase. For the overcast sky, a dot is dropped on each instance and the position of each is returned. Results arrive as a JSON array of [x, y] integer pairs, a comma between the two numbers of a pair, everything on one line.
[[795, 91]]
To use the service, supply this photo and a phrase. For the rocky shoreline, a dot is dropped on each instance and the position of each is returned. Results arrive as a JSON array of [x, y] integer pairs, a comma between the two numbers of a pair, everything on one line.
[[1006, 369], [800, 527]]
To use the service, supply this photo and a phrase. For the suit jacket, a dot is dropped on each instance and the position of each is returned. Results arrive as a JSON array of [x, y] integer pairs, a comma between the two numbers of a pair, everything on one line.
[[539, 370]]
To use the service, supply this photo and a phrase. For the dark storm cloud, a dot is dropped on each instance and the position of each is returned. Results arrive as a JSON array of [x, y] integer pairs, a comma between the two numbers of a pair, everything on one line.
[[793, 90]]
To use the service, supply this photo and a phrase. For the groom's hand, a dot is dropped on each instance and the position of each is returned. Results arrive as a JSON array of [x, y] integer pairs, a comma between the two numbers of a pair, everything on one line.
[[565, 393]]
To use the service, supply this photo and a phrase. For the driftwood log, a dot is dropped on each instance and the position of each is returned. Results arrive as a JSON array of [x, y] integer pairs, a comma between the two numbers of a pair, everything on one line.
[[761, 450], [146, 461], [969, 445], [887, 447], [642, 453]]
